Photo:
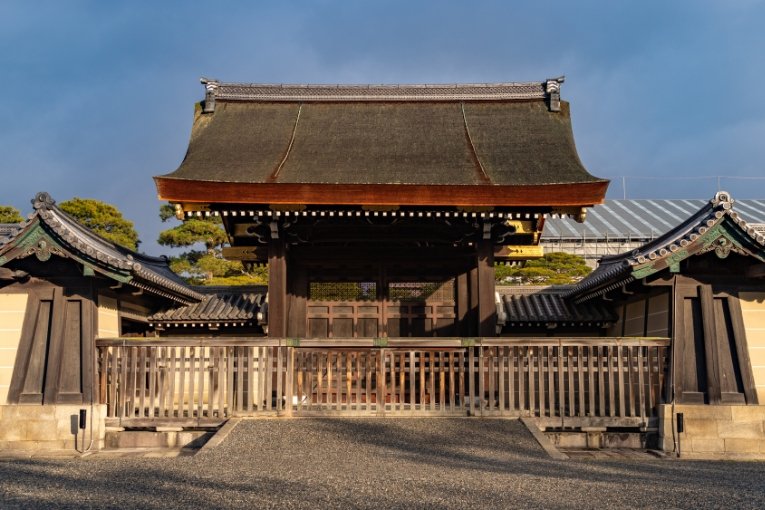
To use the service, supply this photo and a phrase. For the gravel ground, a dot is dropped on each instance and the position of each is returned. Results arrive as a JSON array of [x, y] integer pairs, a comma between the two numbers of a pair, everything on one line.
[[385, 463]]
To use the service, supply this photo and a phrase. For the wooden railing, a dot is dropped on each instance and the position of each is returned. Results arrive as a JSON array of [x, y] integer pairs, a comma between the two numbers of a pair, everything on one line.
[[205, 381]]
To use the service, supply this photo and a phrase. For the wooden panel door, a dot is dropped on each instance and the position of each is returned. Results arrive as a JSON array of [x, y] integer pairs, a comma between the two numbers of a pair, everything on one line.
[[421, 309], [347, 309], [711, 357], [54, 363], [364, 309]]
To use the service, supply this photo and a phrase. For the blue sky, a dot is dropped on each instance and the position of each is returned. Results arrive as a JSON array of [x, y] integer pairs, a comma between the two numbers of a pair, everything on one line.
[[97, 97]]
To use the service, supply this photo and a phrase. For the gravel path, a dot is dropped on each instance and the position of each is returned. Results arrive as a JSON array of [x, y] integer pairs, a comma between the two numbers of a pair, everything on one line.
[[385, 463]]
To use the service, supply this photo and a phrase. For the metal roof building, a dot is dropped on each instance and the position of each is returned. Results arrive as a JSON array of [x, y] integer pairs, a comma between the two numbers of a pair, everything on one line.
[[618, 226]]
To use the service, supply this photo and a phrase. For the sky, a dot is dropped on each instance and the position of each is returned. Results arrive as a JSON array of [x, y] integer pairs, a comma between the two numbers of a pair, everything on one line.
[[97, 97]]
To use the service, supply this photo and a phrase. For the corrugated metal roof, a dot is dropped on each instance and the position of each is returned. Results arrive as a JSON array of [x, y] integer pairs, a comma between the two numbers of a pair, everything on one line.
[[640, 219], [685, 239]]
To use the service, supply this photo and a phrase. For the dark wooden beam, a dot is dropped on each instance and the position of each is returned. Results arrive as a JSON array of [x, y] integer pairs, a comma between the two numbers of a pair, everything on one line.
[[298, 294], [463, 303], [757, 271], [714, 389], [277, 289], [473, 296], [487, 310]]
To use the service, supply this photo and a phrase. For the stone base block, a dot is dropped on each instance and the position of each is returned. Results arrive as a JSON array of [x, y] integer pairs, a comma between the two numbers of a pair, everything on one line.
[[40, 427], [719, 431]]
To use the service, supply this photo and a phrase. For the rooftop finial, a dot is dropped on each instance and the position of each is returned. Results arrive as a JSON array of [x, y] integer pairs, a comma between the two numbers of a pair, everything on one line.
[[42, 200], [552, 87], [724, 198], [210, 87]]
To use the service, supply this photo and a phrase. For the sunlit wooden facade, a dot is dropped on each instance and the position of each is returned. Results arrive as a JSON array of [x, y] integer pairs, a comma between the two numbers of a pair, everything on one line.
[[381, 210]]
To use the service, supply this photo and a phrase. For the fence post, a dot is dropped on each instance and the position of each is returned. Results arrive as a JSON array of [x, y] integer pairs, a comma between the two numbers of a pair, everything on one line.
[[381, 383], [481, 379], [288, 381]]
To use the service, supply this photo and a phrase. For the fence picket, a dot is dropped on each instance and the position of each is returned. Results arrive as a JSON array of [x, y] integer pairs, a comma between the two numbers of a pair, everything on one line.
[[201, 379]]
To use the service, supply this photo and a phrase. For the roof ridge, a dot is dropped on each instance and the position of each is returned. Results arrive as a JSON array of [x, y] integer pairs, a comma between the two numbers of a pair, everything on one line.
[[103, 253], [674, 243], [232, 91]]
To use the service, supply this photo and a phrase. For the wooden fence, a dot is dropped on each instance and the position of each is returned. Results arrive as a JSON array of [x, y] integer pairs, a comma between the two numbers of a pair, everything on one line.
[[149, 382]]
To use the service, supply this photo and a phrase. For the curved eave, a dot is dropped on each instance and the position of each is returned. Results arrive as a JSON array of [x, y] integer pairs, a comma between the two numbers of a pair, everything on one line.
[[700, 233], [558, 195], [72, 240]]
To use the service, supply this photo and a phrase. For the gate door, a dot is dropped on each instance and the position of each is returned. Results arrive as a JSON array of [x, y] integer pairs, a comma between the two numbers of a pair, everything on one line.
[[424, 308], [348, 309], [366, 309]]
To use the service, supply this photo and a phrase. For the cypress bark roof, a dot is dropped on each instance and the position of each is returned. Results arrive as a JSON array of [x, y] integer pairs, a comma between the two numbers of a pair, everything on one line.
[[500, 135]]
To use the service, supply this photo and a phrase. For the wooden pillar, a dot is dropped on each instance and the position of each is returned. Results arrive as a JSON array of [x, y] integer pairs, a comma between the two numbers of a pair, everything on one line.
[[689, 379], [714, 391], [463, 304], [277, 289], [472, 316], [298, 293], [487, 310]]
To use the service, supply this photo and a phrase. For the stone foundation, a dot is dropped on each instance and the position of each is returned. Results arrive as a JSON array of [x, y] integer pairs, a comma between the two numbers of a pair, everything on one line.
[[714, 432], [37, 427]]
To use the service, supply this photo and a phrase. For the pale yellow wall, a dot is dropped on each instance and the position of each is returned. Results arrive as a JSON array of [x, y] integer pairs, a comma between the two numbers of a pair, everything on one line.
[[12, 310], [108, 317], [753, 310]]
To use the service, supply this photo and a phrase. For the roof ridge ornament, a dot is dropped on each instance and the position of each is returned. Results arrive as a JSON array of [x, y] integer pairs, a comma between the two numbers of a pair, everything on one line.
[[723, 198], [211, 87], [42, 200], [552, 87]]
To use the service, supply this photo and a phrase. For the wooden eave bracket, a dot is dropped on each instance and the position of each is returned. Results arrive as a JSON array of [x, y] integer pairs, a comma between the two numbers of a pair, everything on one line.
[[757, 271], [7, 274]]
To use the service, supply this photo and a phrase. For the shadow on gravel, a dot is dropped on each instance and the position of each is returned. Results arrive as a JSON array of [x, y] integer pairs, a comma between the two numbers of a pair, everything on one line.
[[374, 463], [505, 447], [102, 484]]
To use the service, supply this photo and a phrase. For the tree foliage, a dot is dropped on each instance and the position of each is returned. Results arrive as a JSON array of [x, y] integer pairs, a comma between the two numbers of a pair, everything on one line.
[[193, 231], [9, 214], [555, 268], [103, 219], [207, 266]]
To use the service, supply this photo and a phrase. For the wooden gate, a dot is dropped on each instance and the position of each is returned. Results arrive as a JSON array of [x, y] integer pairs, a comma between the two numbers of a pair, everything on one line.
[[368, 309]]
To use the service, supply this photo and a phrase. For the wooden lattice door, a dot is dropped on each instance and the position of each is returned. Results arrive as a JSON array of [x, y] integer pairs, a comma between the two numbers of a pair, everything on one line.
[[420, 308], [369, 309], [344, 309]]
